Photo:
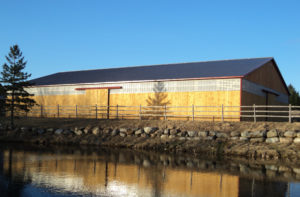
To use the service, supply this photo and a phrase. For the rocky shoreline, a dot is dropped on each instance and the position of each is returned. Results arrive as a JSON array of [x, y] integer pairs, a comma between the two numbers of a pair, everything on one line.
[[264, 144]]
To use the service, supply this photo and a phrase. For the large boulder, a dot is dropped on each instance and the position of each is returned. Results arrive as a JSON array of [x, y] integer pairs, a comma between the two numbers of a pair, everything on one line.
[[122, 134], [235, 134], [297, 140], [222, 135], [87, 129], [96, 131], [257, 139], [272, 140], [138, 132], [286, 140], [164, 137], [167, 131], [58, 131], [290, 134], [191, 133], [149, 130], [272, 133], [123, 130], [78, 131], [202, 134], [115, 132], [245, 134], [173, 131], [257, 134]]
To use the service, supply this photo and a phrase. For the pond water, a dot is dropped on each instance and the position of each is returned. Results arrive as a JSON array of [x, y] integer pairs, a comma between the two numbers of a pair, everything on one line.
[[74, 171]]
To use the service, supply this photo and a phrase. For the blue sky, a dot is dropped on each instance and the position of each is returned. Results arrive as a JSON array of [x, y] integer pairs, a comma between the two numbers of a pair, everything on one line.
[[65, 35]]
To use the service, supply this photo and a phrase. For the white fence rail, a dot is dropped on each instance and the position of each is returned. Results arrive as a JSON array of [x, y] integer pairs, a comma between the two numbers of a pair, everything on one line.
[[216, 113]]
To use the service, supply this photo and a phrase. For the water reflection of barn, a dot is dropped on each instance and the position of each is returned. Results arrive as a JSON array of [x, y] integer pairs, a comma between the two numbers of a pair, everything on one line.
[[213, 83], [96, 173]]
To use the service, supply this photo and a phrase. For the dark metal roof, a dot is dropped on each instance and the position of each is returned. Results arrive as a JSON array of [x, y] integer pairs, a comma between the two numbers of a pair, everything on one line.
[[216, 69]]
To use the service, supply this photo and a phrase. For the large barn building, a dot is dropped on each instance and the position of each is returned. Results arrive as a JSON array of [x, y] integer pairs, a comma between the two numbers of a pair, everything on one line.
[[211, 83]]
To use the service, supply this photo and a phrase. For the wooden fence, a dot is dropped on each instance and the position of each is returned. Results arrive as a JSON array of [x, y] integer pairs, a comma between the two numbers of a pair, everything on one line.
[[212, 113]]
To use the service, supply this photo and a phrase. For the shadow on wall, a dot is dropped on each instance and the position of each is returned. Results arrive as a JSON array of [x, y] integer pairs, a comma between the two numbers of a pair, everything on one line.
[[160, 98]]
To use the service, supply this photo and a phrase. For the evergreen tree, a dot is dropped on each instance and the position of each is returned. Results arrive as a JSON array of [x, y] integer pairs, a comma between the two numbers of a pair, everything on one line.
[[2, 100], [14, 80], [294, 98]]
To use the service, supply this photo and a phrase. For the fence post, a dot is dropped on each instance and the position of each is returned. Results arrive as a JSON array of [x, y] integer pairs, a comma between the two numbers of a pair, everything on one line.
[[117, 111], [165, 112], [222, 113], [254, 113], [41, 110], [290, 113], [76, 115], [96, 112], [140, 112], [57, 110], [193, 110]]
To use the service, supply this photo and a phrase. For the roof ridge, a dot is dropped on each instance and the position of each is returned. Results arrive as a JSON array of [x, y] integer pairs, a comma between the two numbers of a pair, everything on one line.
[[140, 66]]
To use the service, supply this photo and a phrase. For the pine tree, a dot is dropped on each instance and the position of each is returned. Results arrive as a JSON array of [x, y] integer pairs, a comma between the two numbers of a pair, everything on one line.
[[14, 80], [2, 100], [294, 97]]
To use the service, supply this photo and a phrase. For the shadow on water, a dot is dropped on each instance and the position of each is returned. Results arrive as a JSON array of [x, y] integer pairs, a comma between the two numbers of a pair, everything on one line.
[[73, 171]]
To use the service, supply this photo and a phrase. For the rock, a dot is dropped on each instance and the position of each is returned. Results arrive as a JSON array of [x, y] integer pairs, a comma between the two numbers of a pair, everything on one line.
[[149, 130], [210, 137], [123, 130], [290, 134], [297, 140], [50, 130], [271, 167], [284, 169], [153, 135], [87, 129], [244, 138], [77, 131], [257, 134], [285, 140], [40, 131], [234, 134], [296, 170], [24, 129], [67, 132], [196, 138], [123, 134], [58, 131], [272, 140], [222, 135], [257, 139], [212, 133], [191, 133], [167, 131], [272, 133], [182, 138], [164, 137], [138, 132], [115, 132], [245, 134], [145, 135], [96, 131], [202, 134], [171, 136], [298, 134], [234, 138], [173, 131]]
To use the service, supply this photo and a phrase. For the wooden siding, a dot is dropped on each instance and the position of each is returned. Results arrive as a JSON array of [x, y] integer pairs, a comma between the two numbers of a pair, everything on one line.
[[267, 76], [99, 97]]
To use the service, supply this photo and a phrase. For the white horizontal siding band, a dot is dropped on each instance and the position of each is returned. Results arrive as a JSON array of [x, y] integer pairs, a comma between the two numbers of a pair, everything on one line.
[[146, 87]]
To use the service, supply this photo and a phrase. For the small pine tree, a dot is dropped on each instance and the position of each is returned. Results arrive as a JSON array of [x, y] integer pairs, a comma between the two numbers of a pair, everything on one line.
[[14, 79]]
